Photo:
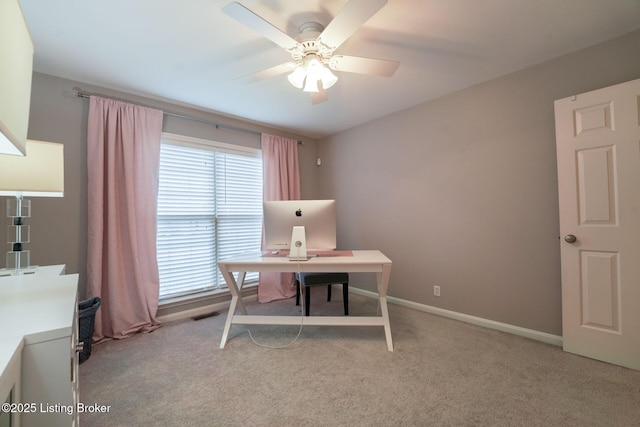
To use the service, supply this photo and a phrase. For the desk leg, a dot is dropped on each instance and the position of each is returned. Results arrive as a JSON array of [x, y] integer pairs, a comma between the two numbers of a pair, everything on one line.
[[240, 284], [236, 300], [383, 284], [387, 325], [227, 324]]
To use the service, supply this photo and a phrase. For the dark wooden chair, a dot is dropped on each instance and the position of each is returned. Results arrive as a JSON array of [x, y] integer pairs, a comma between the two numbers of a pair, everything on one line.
[[322, 279]]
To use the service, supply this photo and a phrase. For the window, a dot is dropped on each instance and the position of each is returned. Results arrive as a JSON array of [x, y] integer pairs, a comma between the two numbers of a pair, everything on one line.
[[209, 208]]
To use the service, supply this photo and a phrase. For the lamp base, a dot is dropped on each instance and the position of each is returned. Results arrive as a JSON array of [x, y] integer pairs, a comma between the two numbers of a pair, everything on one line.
[[18, 260]]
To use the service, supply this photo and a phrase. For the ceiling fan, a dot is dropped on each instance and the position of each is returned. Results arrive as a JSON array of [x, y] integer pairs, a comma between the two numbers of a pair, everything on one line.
[[312, 53]]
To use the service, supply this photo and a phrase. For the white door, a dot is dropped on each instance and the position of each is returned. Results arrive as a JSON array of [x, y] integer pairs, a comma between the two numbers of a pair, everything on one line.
[[598, 148]]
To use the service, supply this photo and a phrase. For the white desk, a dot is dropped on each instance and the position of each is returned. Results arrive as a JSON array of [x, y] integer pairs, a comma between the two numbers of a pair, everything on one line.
[[360, 262], [38, 314]]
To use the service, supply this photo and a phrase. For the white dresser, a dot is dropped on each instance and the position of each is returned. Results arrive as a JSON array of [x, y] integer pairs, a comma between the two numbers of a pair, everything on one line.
[[38, 321]]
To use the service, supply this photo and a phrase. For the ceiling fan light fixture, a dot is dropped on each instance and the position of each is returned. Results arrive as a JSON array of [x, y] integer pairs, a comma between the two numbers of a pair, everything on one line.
[[315, 72], [312, 51], [297, 77]]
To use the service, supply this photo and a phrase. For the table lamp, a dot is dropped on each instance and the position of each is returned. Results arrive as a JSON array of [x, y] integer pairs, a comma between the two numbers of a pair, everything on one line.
[[40, 173]]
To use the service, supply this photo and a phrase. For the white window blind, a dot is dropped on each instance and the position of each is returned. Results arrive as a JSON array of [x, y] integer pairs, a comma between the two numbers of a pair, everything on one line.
[[209, 208]]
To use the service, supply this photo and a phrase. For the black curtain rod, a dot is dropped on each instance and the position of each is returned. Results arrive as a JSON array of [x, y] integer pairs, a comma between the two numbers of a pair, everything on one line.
[[82, 94]]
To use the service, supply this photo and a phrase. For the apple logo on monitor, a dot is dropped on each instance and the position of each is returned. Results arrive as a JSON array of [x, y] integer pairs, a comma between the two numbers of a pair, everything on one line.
[[299, 212]]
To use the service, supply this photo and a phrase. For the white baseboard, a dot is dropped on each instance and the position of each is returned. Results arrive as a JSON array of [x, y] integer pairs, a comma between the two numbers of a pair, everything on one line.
[[479, 321], [186, 314]]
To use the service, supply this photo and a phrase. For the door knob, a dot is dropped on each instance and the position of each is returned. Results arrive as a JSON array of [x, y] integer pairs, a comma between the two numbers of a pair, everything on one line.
[[570, 238]]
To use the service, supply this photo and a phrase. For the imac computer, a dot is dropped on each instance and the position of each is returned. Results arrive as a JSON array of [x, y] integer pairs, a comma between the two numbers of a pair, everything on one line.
[[299, 225]]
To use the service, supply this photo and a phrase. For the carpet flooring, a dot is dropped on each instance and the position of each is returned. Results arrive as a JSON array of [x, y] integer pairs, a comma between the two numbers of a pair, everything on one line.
[[442, 372]]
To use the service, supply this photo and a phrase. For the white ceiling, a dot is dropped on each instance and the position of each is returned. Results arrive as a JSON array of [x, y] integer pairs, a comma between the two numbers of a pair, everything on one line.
[[190, 52]]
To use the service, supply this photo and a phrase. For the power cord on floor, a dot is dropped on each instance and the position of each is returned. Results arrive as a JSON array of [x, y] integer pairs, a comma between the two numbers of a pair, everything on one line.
[[302, 290]]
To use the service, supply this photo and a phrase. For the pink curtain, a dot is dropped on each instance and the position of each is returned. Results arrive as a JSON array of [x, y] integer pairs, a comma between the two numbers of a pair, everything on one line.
[[123, 156], [281, 182]]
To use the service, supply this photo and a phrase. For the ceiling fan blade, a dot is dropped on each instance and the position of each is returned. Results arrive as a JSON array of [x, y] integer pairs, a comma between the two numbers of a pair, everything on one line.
[[349, 20], [320, 96], [245, 16], [269, 72], [355, 64]]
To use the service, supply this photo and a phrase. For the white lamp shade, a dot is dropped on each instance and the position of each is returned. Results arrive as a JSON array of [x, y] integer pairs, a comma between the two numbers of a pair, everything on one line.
[[297, 77], [16, 65], [314, 69], [311, 85], [38, 174], [328, 78]]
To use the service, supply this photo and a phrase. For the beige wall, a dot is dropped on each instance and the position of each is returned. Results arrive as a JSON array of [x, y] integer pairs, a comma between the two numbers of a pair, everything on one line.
[[461, 192], [59, 226]]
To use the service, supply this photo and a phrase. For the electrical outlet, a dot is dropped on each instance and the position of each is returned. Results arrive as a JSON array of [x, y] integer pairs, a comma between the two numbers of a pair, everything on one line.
[[436, 291]]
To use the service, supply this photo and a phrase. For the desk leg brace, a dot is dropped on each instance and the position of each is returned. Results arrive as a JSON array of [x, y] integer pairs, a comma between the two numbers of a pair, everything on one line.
[[236, 300]]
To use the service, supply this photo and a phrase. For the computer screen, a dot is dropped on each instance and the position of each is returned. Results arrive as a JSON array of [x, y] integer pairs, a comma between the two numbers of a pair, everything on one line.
[[317, 216]]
